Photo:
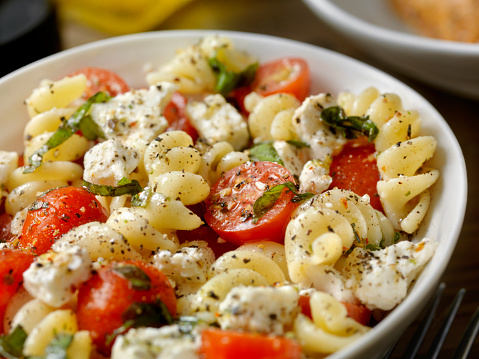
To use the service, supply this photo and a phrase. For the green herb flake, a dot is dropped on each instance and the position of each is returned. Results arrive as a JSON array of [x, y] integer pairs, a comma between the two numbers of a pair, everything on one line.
[[269, 197], [125, 186], [65, 131], [265, 152], [58, 347], [138, 279], [230, 80], [11, 345], [349, 126]]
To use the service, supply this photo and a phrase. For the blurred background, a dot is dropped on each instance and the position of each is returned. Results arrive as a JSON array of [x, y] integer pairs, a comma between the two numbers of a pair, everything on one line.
[[33, 29]]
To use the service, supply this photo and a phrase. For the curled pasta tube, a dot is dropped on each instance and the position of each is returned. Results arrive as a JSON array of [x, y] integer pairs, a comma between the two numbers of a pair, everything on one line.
[[330, 329], [56, 322], [406, 158], [312, 239], [187, 187], [396, 194], [24, 195], [267, 111], [140, 233], [258, 262], [48, 171], [56, 94], [272, 250], [214, 291], [171, 151]]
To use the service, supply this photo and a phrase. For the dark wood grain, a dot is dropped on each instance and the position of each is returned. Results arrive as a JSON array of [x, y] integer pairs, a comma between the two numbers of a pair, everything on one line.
[[292, 19]]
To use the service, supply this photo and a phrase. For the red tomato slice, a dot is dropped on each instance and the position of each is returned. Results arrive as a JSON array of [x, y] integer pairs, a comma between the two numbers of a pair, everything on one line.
[[102, 80], [175, 114], [237, 97], [355, 169], [58, 211], [229, 208], [226, 344], [287, 75], [12, 265], [5, 227], [104, 299]]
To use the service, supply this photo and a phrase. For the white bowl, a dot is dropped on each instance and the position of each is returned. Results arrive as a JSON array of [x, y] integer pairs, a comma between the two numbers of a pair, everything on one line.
[[372, 25], [331, 72]]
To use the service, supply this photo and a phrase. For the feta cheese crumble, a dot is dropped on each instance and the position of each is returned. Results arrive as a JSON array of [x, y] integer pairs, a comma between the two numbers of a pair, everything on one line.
[[54, 276]]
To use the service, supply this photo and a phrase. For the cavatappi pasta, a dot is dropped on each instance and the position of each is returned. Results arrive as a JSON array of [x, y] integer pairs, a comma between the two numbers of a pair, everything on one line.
[[335, 247]]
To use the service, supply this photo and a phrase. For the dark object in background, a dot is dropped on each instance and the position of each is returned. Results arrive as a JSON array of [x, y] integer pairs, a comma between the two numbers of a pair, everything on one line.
[[28, 32]]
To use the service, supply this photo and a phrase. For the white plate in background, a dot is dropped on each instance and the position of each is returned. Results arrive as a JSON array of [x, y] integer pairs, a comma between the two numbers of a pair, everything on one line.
[[373, 26]]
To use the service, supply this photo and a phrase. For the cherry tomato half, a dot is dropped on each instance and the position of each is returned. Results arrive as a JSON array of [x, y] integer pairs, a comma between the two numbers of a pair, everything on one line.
[[287, 75], [12, 265], [228, 344], [114, 295], [175, 114], [55, 213], [229, 208], [355, 169], [99, 79]]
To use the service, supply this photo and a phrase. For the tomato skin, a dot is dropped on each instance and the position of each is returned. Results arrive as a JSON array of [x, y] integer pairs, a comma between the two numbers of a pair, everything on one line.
[[355, 169], [12, 265], [104, 298], [270, 78], [226, 344], [175, 114], [359, 313], [59, 210], [99, 79], [5, 227], [229, 208]]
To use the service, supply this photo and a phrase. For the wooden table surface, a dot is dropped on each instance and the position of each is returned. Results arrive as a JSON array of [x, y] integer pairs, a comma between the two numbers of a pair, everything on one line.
[[292, 19]]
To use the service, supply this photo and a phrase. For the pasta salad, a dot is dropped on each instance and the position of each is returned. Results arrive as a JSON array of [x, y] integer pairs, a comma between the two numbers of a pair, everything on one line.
[[220, 211]]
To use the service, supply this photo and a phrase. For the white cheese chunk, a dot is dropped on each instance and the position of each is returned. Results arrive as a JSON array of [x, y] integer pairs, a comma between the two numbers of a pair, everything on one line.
[[156, 343], [54, 276], [135, 115], [381, 279], [315, 177], [187, 267], [108, 162], [216, 120], [259, 309]]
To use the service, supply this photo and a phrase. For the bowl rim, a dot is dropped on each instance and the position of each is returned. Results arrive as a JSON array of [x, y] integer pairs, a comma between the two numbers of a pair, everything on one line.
[[388, 326], [346, 20]]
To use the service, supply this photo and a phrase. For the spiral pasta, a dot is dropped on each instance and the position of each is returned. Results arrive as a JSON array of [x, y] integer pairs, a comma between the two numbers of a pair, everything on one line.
[[404, 184]]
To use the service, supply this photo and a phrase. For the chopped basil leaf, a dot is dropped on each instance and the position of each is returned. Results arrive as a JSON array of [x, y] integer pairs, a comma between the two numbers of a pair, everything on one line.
[[125, 186], [38, 205], [65, 131], [138, 279], [265, 152], [267, 200], [11, 345], [350, 126], [230, 80], [299, 144], [58, 346], [142, 315], [90, 129], [148, 314]]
